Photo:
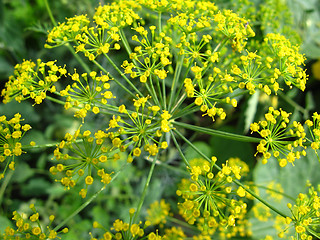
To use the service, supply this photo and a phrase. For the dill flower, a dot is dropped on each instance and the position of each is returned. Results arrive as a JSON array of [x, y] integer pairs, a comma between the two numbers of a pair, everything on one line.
[[206, 198], [284, 139], [237, 162], [30, 228], [88, 152], [290, 60], [173, 233], [32, 80], [126, 230], [305, 215], [275, 191], [87, 93], [142, 127], [102, 36], [157, 213], [149, 58], [313, 136], [235, 28], [11, 133]]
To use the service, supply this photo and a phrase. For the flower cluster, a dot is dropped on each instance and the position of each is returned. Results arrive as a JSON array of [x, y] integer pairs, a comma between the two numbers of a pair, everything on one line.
[[314, 130], [88, 153], [235, 28], [305, 215], [142, 128], [149, 57], [126, 231], [102, 37], [157, 213], [11, 133], [32, 80], [283, 138], [87, 94], [206, 198], [174, 233], [289, 59], [30, 227]]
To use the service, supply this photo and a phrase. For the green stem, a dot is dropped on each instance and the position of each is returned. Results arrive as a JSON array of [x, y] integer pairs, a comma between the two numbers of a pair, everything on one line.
[[179, 149], [79, 209], [121, 74], [50, 13], [191, 108], [114, 79], [218, 133], [143, 195], [235, 181], [5, 184], [159, 22], [294, 104], [78, 58], [127, 46], [313, 233], [182, 223], [272, 190], [152, 91], [172, 168], [178, 103], [48, 145], [176, 78], [55, 100]]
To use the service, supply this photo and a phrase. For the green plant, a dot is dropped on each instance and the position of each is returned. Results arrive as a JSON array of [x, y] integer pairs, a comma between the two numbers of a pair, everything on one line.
[[161, 75]]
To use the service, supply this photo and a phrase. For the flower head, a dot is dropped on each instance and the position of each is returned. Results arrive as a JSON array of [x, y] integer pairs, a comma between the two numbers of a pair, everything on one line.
[[11, 133], [32, 80]]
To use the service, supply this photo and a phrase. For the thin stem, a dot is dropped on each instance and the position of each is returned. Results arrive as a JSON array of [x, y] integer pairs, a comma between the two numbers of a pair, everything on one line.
[[50, 13], [179, 149], [182, 223], [48, 145], [178, 103], [152, 91], [218, 133], [121, 73], [55, 100], [78, 58], [114, 79], [235, 181], [127, 46], [5, 184], [143, 195], [272, 190], [175, 82], [191, 108], [171, 168], [159, 22], [313, 233], [294, 104], [79, 209]]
